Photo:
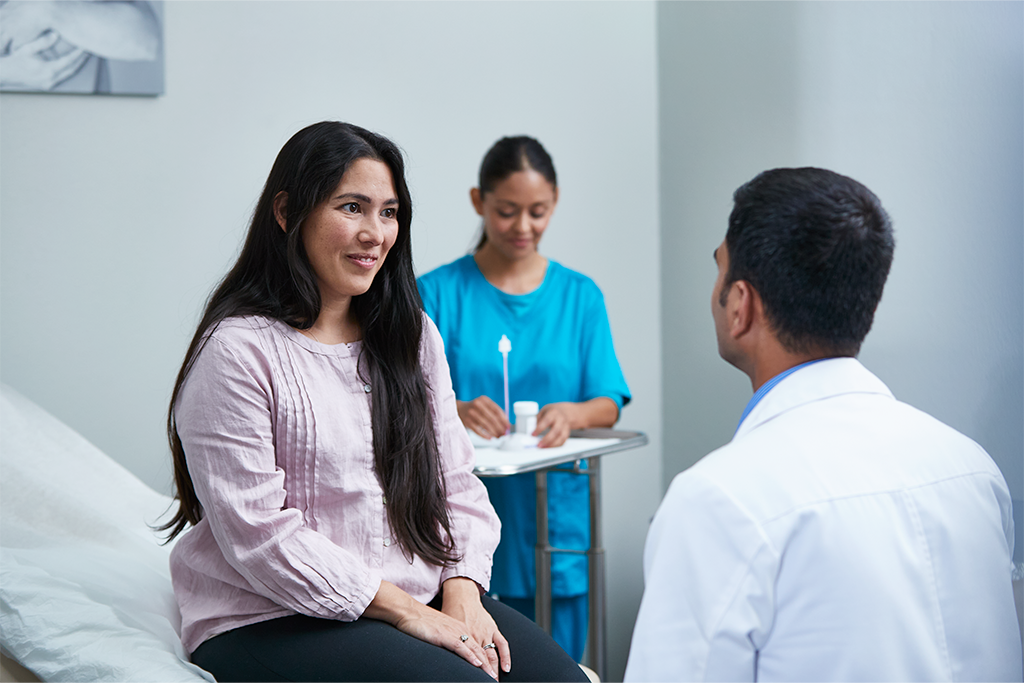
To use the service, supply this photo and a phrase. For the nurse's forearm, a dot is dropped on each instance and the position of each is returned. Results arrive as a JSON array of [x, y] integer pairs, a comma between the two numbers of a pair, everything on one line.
[[597, 412], [557, 420]]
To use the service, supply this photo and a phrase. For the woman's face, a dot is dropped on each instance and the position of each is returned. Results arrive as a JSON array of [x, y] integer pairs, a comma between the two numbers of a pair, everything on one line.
[[516, 212], [348, 236]]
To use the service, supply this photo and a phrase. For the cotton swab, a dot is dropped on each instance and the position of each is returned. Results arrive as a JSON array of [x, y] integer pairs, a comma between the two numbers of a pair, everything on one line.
[[504, 346]]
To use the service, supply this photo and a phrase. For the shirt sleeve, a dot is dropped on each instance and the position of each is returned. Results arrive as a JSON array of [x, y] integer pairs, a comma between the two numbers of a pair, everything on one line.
[[223, 417], [602, 374], [475, 526], [708, 600]]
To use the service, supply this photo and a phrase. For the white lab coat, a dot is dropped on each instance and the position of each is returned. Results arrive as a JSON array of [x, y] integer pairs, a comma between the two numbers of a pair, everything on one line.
[[841, 536]]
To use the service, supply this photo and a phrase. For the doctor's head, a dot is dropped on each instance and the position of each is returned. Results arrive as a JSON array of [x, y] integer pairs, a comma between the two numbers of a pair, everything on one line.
[[812, 249]]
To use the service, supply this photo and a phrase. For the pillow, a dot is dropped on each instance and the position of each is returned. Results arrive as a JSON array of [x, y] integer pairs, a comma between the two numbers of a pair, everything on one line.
[[85, 589]]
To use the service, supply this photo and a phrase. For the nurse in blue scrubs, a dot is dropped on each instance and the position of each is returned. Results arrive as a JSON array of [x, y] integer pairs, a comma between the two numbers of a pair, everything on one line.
[[562, 357]]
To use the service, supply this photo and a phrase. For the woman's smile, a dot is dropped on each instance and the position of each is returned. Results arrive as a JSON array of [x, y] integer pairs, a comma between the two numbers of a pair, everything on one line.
[[367, 261]]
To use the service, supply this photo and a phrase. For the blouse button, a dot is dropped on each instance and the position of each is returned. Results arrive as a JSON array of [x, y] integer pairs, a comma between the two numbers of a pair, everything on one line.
[[387, 542], [366, 388]]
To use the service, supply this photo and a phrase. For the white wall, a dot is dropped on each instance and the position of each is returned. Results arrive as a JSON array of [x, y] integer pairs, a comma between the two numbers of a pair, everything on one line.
[[118, 215], [923, 102]]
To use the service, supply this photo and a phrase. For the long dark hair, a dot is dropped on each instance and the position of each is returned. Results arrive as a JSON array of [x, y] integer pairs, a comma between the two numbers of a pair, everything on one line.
[[510, 155], [273, 278]]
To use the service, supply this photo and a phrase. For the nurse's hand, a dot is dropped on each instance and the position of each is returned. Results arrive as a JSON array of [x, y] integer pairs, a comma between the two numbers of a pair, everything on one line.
[[483, 416], [557, 419]]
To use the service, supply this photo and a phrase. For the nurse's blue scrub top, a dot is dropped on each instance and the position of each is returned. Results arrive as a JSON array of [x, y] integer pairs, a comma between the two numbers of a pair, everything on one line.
[[561, 351]]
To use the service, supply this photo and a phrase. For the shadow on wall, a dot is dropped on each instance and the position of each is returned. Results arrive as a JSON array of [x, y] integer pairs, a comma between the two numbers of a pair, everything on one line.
[[718, 62], [1001, 407], [1018, 597]]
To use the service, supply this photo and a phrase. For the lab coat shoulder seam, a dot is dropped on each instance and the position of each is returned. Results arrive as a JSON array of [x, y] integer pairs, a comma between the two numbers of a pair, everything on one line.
[[897, 490], [933, 585], [737, 593]]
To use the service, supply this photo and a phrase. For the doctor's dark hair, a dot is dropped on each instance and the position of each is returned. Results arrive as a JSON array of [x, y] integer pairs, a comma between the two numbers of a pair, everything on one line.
[[510, 155], [817, 247], [273, 278]]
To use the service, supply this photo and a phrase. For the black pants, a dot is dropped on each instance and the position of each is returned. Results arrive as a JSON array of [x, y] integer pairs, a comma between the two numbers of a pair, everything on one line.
[[301, 648]]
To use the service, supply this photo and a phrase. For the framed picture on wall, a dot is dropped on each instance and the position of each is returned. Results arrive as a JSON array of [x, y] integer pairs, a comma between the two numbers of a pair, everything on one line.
[[109, 47]]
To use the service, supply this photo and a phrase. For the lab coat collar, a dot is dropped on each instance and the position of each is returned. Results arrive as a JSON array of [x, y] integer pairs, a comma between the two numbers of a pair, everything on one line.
[[832, 377]]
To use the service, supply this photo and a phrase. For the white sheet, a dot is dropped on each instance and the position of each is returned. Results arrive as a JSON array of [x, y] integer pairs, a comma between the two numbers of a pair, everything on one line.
[[85, 590]]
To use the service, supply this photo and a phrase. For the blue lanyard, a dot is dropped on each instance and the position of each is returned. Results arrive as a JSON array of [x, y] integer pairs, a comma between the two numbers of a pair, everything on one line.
[[768, 386]]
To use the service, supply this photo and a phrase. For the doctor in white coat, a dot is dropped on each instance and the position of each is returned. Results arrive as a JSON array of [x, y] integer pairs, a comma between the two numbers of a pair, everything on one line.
[[841, 535]]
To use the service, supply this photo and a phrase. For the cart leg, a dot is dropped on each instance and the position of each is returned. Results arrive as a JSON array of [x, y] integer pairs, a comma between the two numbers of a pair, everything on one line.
[[596, 637], [542, 604]]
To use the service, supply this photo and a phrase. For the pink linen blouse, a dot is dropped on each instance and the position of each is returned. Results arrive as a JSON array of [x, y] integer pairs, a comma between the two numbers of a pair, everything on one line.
[[277, 434]]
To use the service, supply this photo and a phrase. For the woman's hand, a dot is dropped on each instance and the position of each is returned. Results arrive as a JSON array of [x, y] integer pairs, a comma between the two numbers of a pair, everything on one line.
[[558, 419], [461, 600], [483, 416], [412, 617]]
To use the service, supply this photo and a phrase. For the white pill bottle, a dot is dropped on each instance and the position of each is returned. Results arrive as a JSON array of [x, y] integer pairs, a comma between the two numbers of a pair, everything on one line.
[[526, 417], [526, 425]]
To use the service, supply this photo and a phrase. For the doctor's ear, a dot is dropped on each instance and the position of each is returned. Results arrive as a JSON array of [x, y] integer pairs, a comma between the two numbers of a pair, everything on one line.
[[281, 209], [742, 307], [478, 200]]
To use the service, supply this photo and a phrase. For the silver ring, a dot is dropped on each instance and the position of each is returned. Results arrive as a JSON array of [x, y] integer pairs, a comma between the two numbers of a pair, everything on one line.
[[463, 637], [488, 646]]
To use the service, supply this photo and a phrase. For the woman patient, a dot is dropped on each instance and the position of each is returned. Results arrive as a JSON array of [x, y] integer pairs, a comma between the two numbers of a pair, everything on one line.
[[337, 529]]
